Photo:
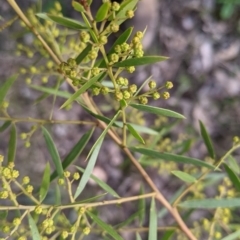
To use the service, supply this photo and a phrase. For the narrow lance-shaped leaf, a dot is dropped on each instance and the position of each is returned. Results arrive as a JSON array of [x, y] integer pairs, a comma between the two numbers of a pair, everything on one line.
[[168, 234], [5, 126], [51, 91], [122, 39], [83, 54], [104, 132], [139, 128], [74, 152], [232, 163], [53, 152], [45, 183], [12, 145], [232, 236], [233, 177], [102, 12], [66, 22], [142, 206], [33, 227], [211, 203], [3, 214], [77, 6], [135, 133], [87, 173], [172, 157], [145, 60], [100, 117], [207, 140], [157, 111], [184, 176], [86, 86], [100, 183], [129, 220], [6, 86], [152, 234], [138, 237], [109, 229], [124, 7]]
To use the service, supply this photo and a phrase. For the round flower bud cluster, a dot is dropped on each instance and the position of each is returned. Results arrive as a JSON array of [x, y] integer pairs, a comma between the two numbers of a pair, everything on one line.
[[76, 176], [129, 14], [9, 172], [236, 140], [84, 36], [38, 210], [4, 105], [114, 27], [64, 234], [67, 174], [122, 81], [103, 40], [115, 6], [68, 68], [86, 230]]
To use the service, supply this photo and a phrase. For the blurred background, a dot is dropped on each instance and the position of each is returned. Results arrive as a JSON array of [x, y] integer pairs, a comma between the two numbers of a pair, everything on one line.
[[201, 39]]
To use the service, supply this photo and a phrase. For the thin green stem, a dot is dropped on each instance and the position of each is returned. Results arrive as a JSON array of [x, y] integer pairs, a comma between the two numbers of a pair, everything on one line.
[[45, 121], [26, 193], [124, 129], [175, 203], [235, 147]]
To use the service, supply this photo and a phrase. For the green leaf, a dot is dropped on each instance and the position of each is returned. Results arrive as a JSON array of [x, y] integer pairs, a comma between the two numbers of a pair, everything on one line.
[[83, 54], [168, 234], [74, 152], [6, 86], [141, 206], [207, 140], [184, 176], [233, 164], [83, 89], [3, 214], [138, 128], [104, 133], [109, 229], [140, 61], [102, 118], [77, 6], [12, 145], [135, 133], [122, 39], [53, 152], [211, 203], [33, 227], [87, 173], [233, 177], [102, 184], [5, 126], [124, 7], [57, 195], [129, 220], [102, 12], [52, 91], [172, 157], [152, 234], [66, 22], [138, 237], [157, 111], [232, 236], [45, 183]]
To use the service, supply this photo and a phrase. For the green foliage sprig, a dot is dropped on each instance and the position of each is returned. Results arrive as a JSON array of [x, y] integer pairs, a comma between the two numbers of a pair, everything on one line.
[[84, 62]]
